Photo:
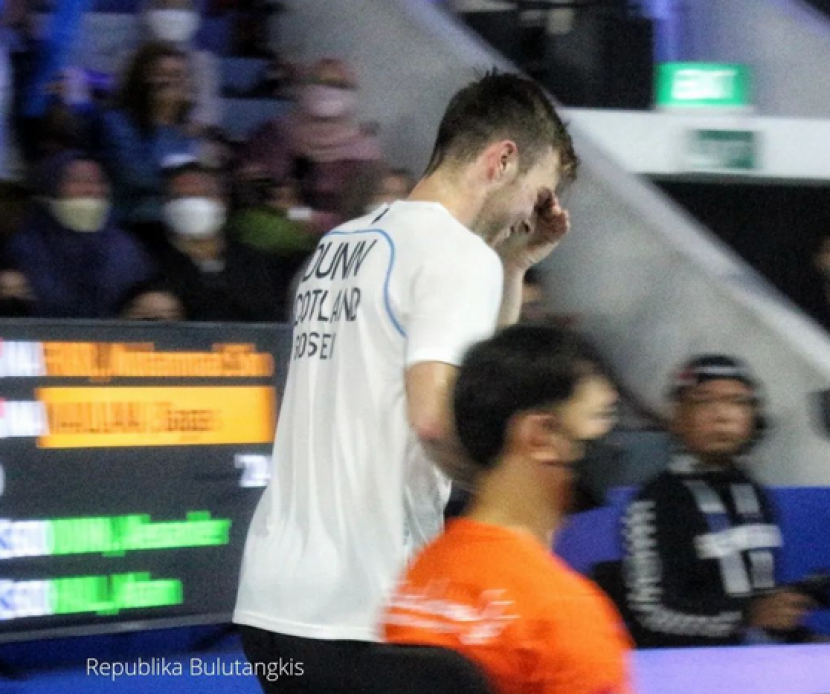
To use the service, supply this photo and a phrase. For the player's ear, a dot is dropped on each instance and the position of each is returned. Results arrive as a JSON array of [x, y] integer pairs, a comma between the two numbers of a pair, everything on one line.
[[501, 161], [540, 438]]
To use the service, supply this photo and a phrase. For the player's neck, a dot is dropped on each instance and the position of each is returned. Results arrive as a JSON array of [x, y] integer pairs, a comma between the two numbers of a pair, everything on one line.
[[509, 497], [456, 191]]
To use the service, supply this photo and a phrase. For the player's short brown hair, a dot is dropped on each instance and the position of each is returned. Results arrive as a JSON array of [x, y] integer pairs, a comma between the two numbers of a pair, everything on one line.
[[503, 106]]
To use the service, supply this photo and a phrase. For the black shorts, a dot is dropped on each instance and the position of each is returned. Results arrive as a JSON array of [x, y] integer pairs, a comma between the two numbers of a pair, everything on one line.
[[288, 664], [294, 665]]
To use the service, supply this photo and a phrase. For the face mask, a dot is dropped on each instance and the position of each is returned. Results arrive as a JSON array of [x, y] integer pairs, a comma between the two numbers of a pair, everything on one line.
[[196, 218], [592, 475], [173, 26], [328, 102], [81, 214]]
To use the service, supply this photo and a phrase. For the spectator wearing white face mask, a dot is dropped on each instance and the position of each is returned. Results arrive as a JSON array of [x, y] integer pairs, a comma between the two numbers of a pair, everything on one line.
[[177, 22], [216, 278], [76, 263], [321, 144]]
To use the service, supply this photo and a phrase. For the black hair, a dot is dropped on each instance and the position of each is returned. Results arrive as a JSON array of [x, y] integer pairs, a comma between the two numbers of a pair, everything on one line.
[[157, 284], [168, 173], [502, 106], [171, 173], [135, 95], [521, 369]]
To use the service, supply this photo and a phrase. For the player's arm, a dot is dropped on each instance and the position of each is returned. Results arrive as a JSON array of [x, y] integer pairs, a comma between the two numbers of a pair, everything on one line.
[[453, 302], [526, 245], [429, 387]]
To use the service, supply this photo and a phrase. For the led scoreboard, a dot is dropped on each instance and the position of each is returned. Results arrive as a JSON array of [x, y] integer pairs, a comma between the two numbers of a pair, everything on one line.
[[131, 460]]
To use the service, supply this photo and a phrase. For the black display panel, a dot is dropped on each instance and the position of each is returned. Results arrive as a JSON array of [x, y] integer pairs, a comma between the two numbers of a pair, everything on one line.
[[132, 457]]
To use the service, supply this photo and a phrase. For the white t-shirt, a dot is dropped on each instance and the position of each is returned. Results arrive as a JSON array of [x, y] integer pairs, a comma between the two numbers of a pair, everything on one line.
[[352, 493]]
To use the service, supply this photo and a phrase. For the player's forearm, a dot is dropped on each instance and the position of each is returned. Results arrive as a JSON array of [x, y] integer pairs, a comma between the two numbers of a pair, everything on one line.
[[451, 458], [511, 302]]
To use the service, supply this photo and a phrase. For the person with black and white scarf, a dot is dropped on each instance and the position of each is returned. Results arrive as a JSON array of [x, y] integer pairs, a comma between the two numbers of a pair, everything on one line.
[[701, 539]]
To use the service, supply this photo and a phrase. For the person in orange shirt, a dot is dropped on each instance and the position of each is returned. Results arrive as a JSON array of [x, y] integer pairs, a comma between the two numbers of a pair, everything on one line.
[[489, 587]]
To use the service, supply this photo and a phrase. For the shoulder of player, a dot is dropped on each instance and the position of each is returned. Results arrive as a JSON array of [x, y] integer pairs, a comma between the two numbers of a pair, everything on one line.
[[428, 236], [429, 225], [462, 249]]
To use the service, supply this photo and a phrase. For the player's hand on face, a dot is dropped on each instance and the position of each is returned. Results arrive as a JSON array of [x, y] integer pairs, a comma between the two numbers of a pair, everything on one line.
[[531, 241]]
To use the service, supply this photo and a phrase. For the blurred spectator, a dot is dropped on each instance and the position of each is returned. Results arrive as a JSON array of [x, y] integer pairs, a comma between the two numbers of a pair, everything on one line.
[[66, 121], [14, 31], [147, 127], [5, 97], [16, 298], [55, 107], [14, 204], [395, 184], [276, 224], [279, 79], [321, 145], [78, 264], [815, 283], [216, 278], [701, 539], [822, 258], [274, 220], [217, 150], [177, 22], [152, 301]]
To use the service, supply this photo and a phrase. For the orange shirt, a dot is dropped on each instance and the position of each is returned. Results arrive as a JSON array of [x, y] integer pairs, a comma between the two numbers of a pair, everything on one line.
[[501, 599]]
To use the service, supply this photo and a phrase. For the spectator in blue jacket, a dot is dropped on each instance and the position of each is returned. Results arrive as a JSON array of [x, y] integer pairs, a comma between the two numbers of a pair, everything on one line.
[[147, 128], [77, 262], [55, 108]]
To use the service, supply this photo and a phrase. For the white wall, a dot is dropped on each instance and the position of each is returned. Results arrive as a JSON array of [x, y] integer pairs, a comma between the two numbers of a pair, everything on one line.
[[652, 285], [658, 144], [787, 43]]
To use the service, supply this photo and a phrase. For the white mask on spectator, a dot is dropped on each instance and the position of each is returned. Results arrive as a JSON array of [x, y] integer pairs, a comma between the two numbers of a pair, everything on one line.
[[328, 102], [195, 218], [173, 26], [81, 214]]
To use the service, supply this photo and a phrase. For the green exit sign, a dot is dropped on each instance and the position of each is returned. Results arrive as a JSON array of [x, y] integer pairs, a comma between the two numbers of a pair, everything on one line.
[[735, 151], [702, 85]]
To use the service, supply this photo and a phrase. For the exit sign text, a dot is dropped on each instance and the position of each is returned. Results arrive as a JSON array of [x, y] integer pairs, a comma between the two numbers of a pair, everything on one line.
[[702, 85]]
